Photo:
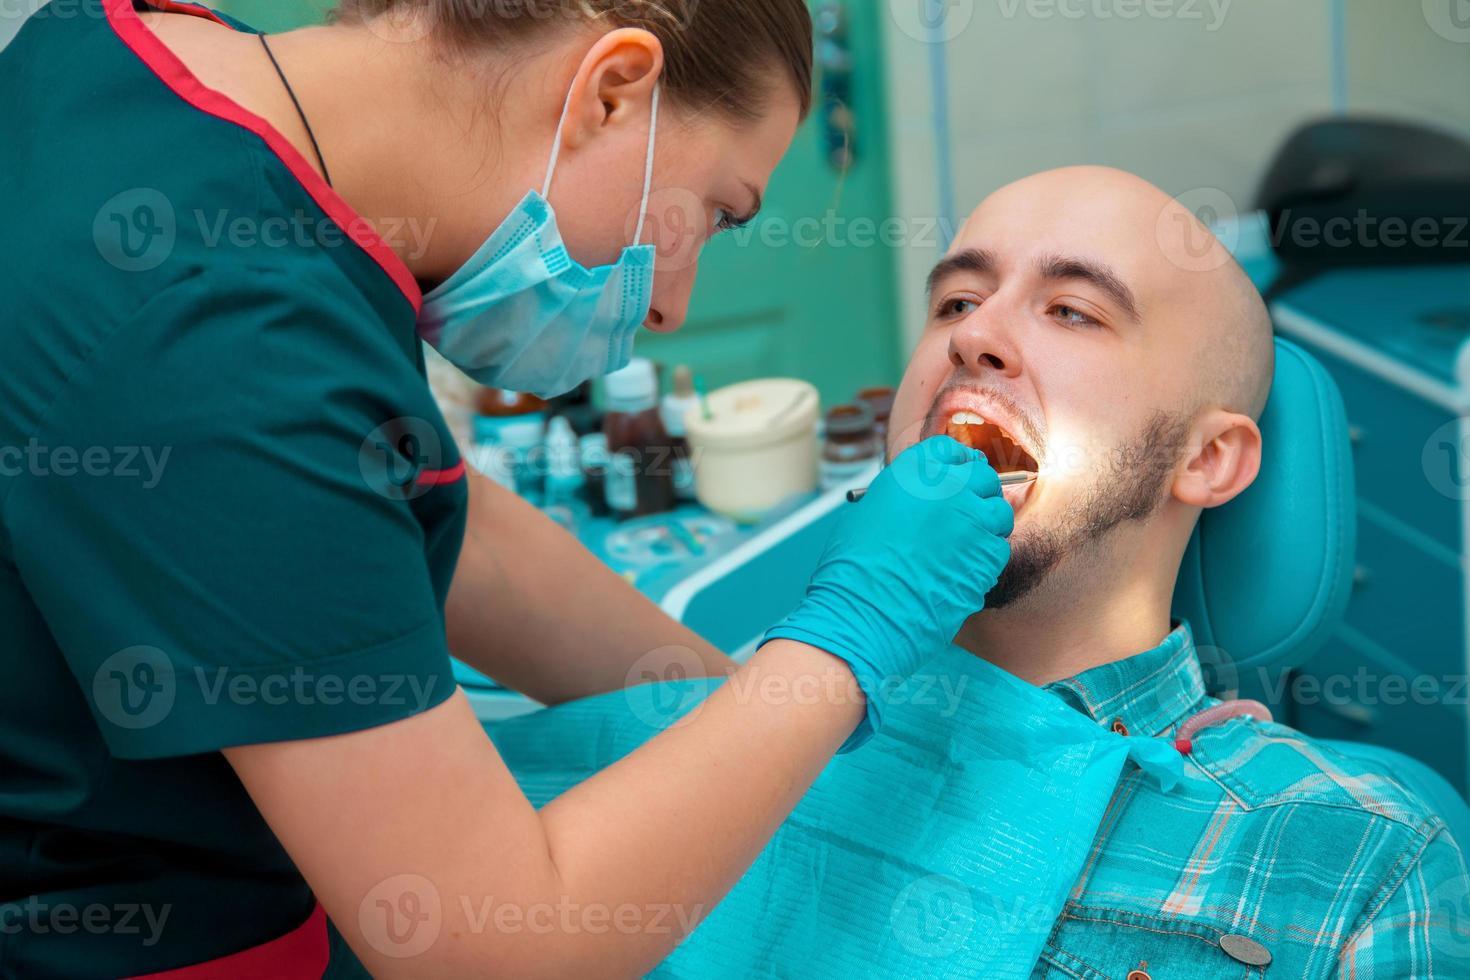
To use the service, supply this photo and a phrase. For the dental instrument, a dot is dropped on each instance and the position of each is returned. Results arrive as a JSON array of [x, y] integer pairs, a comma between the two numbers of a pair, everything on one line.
[[1013, 479]]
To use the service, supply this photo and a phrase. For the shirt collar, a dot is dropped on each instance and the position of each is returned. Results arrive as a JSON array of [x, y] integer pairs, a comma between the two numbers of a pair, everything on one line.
[[1148, 693]]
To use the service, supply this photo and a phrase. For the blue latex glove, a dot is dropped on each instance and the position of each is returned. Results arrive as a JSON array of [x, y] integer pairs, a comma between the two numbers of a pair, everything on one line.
[[904, 568]]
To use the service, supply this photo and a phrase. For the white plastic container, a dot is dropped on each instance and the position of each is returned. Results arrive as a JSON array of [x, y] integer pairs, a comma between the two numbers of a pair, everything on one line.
[[758, 447]]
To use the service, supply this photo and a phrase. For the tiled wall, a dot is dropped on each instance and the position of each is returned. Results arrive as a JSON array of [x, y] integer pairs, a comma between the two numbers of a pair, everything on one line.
[[1396, 66], [1189, 93]]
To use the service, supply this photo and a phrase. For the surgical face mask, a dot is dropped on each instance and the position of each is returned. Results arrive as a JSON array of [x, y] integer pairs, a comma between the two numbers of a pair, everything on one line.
[[521, 314]]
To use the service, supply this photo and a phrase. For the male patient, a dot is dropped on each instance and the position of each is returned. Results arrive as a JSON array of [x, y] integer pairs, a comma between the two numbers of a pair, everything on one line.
[[1085, 324], [1119, 346]]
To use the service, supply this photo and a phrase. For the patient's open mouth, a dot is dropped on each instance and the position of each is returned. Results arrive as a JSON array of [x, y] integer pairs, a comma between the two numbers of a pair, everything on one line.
[[1003, 452]]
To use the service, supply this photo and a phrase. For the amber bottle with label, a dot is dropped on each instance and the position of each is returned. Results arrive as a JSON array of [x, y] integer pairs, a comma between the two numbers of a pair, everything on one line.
[[640, 471]]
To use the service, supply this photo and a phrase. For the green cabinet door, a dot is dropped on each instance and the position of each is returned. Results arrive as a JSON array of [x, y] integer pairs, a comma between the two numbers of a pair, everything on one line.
[[808, 290]]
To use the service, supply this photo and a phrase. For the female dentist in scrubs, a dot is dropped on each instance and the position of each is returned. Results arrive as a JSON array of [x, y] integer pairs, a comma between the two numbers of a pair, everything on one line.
[[229, 540]]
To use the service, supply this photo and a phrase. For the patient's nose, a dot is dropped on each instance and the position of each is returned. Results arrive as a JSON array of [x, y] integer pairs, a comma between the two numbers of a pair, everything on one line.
[[984, 343]]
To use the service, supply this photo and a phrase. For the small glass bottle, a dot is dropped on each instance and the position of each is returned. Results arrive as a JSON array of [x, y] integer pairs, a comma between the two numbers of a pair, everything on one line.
[[852, 445], [564, 479], [521, 449], [640, 473], [672, 411], [592, 449], [499, 403], [508, 426], [577, 408]]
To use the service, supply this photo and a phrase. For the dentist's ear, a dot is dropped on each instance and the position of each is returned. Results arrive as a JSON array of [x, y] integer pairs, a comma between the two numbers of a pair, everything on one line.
[[617, 75], [1225, 460]]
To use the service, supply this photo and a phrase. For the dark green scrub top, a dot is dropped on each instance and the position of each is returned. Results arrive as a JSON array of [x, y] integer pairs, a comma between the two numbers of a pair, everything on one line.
[[229, 506]]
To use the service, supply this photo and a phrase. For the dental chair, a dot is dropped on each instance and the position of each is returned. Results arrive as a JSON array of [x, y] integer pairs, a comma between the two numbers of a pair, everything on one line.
[[1264, 581], [1266, 577]]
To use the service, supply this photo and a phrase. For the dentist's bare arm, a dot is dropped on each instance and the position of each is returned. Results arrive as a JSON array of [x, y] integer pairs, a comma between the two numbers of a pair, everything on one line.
[[655, 840], [525, 584]]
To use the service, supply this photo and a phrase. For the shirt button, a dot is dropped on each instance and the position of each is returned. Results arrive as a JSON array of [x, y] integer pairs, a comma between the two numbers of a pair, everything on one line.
[[1245, 950], [1119, 727]]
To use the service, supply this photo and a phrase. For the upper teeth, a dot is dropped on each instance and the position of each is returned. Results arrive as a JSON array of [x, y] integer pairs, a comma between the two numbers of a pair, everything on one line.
[[966, 418]]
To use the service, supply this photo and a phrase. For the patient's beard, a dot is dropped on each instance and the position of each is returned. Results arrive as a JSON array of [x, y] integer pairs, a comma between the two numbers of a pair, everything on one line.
[[1131, 488]]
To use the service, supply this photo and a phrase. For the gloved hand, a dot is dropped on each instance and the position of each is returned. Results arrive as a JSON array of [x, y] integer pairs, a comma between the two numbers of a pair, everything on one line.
[[905, 567]]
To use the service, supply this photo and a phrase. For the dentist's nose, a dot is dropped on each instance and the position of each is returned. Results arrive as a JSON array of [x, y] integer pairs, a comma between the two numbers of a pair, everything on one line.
[[984, 342]]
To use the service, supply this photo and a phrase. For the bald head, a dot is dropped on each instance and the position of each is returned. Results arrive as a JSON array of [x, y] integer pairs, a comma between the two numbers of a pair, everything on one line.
[[1175, 268], [1094, 323], [1237, 361]]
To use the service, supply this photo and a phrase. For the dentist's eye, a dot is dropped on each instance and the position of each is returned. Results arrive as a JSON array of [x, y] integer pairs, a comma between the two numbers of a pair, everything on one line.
[[725, 221], [1072, 315]]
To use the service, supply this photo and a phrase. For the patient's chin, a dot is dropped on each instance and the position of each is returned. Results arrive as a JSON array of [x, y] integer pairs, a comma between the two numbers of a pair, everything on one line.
[[1034, 555], [1131, 489]]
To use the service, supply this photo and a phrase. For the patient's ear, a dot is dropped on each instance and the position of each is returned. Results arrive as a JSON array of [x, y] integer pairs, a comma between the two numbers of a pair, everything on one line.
[[1225, 462]]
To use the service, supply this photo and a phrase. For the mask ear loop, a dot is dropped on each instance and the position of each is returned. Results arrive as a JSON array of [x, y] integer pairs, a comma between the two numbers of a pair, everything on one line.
[[647, 164], [556, 144]]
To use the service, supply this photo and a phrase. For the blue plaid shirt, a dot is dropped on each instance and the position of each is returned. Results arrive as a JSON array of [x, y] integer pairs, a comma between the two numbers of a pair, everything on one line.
[[1274, 847]]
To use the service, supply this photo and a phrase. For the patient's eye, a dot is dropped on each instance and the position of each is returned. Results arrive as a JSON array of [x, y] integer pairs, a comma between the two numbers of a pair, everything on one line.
[[1072, 315], [956, 307]]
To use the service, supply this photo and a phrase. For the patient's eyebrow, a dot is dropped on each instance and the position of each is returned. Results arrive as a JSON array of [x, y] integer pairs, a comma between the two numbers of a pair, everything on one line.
[[975, 260], [1099, 275]]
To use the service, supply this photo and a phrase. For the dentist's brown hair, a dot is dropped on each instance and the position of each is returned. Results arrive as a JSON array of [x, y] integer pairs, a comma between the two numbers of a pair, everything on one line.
[[717, 53]]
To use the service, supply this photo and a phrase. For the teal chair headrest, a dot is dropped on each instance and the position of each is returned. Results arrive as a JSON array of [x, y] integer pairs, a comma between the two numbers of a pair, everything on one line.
[[1266, 577]]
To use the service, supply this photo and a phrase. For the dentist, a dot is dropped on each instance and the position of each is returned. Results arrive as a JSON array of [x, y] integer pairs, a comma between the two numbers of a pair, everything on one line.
[[230, 742]]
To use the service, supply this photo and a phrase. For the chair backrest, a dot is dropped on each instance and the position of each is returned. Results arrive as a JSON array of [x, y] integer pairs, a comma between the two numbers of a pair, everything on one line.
[[1266, 577]]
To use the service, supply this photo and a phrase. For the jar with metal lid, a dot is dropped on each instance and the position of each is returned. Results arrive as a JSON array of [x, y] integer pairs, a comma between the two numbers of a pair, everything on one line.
[[852, 448], [880, 400]]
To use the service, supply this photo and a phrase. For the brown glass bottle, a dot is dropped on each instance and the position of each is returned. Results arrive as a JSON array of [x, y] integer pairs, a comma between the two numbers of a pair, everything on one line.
[[500, 403], [640, 471]]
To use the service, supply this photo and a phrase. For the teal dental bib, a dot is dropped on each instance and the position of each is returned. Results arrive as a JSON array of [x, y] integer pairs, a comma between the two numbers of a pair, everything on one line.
[[946, 846]]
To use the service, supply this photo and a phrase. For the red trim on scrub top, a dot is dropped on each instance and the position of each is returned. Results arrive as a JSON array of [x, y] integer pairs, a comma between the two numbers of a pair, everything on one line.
[[167, 66], [301, 954], [439, 478]]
